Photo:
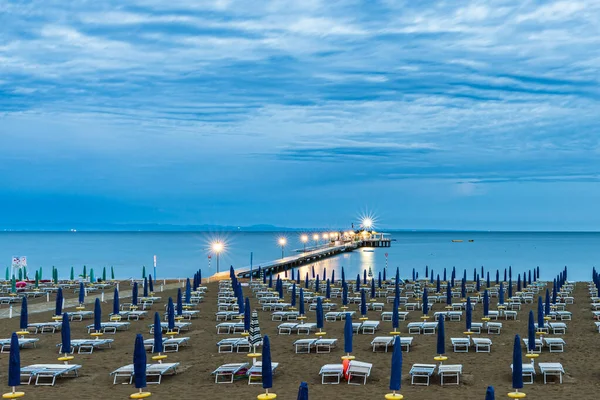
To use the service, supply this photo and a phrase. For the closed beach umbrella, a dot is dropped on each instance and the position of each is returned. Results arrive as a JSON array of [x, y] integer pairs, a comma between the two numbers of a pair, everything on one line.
[[441, 337], [357, 283], [414, 275], [504, 280], [344, 294], [324, 273], [395, 319], [554, 293], [317, 284], [303, 391], [116, 306], [448, 295], [519, 283], [531, 333], [363, 303], [501, 294], [59, 302], [438, 285], [7, 275], [488, 279], [279, 289], [14, 363], [547, 303], [65, 334], [486, 304], [445, 275], [364, 276], [112, 273], [81, 293], [143, 271], [384, 276], [298, 277], [328, 290], [170, 315], [145, 287], [497, 283], [379, 280], [320, 321], [264, 278], [313, 271], [431, 276], [396, 373], [293, 299], [426, 271], [267, 368], [348, 332], [517, 372], [23, 322], [134, 294], [510, 288], [306, 281], [179, 308], [97, 316], [372, 289], [425, 302], [254, 337], [92, 276], [469, 314], [188, 291], [247, 315], [509, 272], [13, 285], [489, 393], [301, 301], [478, 284], [139, 362], [151, 283], [540, 313], [271, 280], [158, 340], [103, 274], [292, 276], [37, 279], [463, 288]]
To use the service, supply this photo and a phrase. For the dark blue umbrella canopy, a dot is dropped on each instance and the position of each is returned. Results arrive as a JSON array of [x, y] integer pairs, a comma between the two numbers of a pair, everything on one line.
[[517, 372], [501, 294], [519, 283], [170, 315], [384, 276], [14, 362], [116, 306], [363, 303], [59, 302], [179, 302], [379, 280], [531, 332], [324, 273], [486, 304], [293, 299], [264, 278], [357, 283], [344, 294], [497, 283], [510, 288], [448, 294], [271, 280], [474, 274], [504, 280], [365, 276], [247, 315], [414, 275], [396, 373], [554, 293], [445, 275], [489, 393], [438, 285], [81, 293], [97, 315], [313, 272], [158, 340], [306, 281], [425, 302], [478, 284], [397, 288], [540, 313], [23, 322], [441, 337], [292, 275], [426, 271], [538, 272], [509, 272], [469, 317], [267, 368], [298, 277], [301, 301], [372, 288], [145, 288], [317, 284], [303, 391], [328, 290], [431, 276], [547, 303], [320, 321], [134, 294], [463, 288], [395, 319], [65, 334], [348, 331], [188, 291], [487, 280], [151, 283], [139, 362]]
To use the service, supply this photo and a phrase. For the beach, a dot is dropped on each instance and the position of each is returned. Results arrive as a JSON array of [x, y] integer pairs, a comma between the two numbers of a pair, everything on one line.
[[201, 357]]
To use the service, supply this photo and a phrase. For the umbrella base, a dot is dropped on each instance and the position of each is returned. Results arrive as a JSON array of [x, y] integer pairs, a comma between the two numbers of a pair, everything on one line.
[[13, 395], [266, 396], [80, 308], [321, 333], [254, 355], [532, 355], [486, 319], [65, 358], [468, 333], [348, 357], [140, 395], [394, 396], [96, 334], [159, 357], [440, 358], [516, 395], [425, 317], [22, 333], [395, 333], [245, 334], [171, 333]]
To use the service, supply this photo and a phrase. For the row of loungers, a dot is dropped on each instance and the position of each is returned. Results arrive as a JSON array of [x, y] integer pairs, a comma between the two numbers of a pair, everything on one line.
[[154, 372], [555, 345], [547, 370], [228, 372]]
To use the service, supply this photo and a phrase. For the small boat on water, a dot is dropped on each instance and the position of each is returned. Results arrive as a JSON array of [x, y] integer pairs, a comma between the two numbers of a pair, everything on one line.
[[471, 240], [457, 240], [368, 251]]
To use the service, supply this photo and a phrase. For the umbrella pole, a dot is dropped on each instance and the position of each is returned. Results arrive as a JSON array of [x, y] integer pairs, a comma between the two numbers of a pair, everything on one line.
[[13, 394], [394, 396]]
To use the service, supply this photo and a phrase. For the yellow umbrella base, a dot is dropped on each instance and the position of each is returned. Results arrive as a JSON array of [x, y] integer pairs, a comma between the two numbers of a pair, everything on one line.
[[394, 396], [80, 308], [348, 357], [363, 318], [532, 355], [321, 333], [140, 395], [22, 333], [516, 395], [13, 395], [394, 333], [245, 334], [159, 358], [266, 396], [254, 355], [171, 333], [57, 317], [486, 319], [467, 333], [440, 358], [65, 358], [302, 317], [425, 317], [96, 334], [547, 318]]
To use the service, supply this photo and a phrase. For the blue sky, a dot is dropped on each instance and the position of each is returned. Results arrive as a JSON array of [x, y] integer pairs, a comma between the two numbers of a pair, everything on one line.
[[450, 114]]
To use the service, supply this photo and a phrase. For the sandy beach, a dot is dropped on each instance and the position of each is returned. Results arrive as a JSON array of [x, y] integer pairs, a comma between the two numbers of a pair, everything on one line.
[[200, 358]]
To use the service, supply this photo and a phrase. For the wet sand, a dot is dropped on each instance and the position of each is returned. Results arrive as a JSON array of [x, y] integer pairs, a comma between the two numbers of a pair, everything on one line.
[[200, 358]]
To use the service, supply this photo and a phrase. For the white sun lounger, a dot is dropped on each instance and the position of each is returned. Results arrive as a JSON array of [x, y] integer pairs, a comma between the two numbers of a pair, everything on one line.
[[482, 345], [369, 327], [421, 372], [558, 328], [45, 372], [223, 315], [494, 328], [80, 315], [429, 328], [255, 372], [388, 341], [359, 369], [179, 326], [226, 328], [154, 372], [551, 369], [287, 315], [332, 373], [225, 373], [230, 344], [111, 327], [415, 327], [305, 328], [450, 371], [555, 345], [528, 372], [44, 327], [461, 345], [170, 345], [538, 344], [23, 343], [86, 346], [286, 328]]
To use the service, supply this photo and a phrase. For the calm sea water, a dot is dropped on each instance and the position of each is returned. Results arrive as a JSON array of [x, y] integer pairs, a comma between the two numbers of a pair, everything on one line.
[[180, 254]]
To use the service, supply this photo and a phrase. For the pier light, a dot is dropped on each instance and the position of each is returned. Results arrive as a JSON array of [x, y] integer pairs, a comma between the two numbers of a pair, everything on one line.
[[217, 248], [316, 239], [326, 236], [304, 239], [367, 223], [282, 242]]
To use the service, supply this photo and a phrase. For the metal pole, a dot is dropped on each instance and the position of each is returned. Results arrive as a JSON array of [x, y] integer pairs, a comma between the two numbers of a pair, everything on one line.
[[251, 254], [281, 251], [217, 263], [154, 277]]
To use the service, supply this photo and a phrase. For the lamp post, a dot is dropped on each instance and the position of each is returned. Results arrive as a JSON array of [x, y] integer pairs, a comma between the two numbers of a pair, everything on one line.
[[316, 239], [304, 239], [367, 223], [282, 243], [217, 248]]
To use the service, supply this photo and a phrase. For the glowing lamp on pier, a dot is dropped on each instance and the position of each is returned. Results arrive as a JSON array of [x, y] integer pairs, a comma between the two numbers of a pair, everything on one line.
[[304, 239], [217, 248], [316, 239], [282, 242], [367, 223]]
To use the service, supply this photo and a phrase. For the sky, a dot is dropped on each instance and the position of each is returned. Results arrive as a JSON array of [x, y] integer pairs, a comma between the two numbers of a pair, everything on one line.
[[426, 115]]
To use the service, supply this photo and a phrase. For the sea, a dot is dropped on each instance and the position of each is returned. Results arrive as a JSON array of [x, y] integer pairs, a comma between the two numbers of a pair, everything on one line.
[[181, 254]]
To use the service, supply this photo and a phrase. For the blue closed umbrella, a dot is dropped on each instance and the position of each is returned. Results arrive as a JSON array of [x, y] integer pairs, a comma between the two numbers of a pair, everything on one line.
[[65, 334], [372, 288], [497, 283], [384, 276], [267, 368], [478, 284], [81, 293], [306, 281], [486, 304], [14, 363], [396, 373], [293, 299], [188, 292], [501, 294], [519, 283], [540, 314], [328, 290], [363, 303], [301, 301], [364, 276], [463, 288], [320, 321], [357, 283], [425, 302], [158, 340], [441, 338], [445, 275], [271, 280], [531, 333], [395, 319], [448, 295], [97, 316], [487, 281], [240, 300], [317, 284], [59, 302], [547, 303], [134, 294], [247, 315], [313, 272], [139, 363], [23, 322], [151, 283], [348, 332], [554, 293], [379, 280], [343, 274], [438, 286], [510, 288], [489, 393], [179, 308], [344, 294], [170, 315], [116, 306], [517, 372], [469, 314], [426, 271], [145, 287], [303, 391]]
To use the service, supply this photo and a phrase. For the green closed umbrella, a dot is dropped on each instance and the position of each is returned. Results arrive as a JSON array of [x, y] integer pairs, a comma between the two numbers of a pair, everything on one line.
[[40, 276], [25, 273], [7, 275], [104, 274], [84, 272], [13, 285], [37, 279], [143, 272], [72, 276], [20, 274], [112, 273], [55, 277], [92, 277]]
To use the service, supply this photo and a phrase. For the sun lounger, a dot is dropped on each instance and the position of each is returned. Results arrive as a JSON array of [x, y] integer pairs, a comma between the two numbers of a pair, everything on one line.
[[227, 372], [304, 345], [551, 369], [111, 327], [494, 328], [286, 328], [136, 315], [170, 345], [538, 344], [421, 372], [388, 341], [230, 344], [493, 314], [369, 327], [80, 315], [558, 328], [461, 345], [86, 346], [482, 345], [449, 371], [415, 327], [45, 372], [44, 327], [305, 328], [331, 372], [255, 372], [287, 315], [154, 372], [359, 369], [429, 328], [545, 329], [226, 328], [223, 315], [23, 343], [528, 372], [555, 345]]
